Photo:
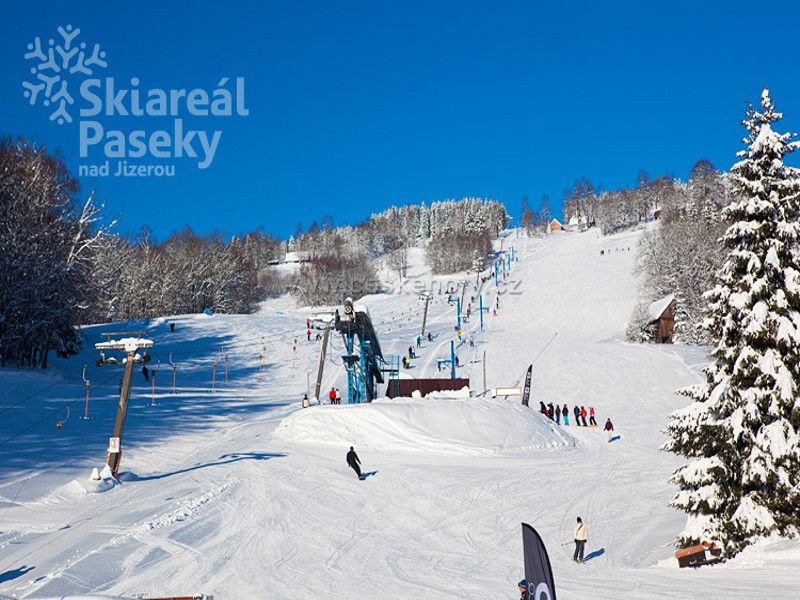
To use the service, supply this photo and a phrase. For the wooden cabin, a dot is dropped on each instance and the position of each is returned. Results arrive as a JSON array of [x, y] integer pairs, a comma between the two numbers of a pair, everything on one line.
[[555, 225], [662, 319]]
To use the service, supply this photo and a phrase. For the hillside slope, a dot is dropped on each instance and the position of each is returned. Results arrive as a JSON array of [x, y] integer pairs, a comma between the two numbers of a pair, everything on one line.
[[241, 494]]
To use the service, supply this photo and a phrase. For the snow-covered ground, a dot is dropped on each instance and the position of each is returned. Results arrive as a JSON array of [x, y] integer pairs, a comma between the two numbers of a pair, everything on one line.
[[240, 493]]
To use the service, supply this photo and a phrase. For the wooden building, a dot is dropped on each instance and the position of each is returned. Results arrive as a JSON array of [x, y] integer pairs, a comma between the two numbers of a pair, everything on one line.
[[662, 319], [406, 388], [555, 225]]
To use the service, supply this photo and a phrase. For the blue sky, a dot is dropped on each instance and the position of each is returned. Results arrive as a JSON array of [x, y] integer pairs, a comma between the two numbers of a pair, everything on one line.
[[355, 106]]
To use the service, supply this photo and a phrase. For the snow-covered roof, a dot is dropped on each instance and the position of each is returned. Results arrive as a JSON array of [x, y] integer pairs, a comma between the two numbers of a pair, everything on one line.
[[296, 257], [657, 308]]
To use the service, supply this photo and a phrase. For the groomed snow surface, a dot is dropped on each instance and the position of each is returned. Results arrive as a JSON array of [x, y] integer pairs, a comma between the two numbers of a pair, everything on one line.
[[240, 493]]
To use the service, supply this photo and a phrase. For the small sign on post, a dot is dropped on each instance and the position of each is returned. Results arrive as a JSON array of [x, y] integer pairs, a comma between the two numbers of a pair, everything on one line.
[[113, 445]]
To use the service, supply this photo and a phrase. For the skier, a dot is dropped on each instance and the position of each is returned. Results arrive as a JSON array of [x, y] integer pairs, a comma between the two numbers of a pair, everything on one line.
[[145, 373], [577, 412], [523, 589], [410, 352], [338, 396], [565, 412], [580, 536], [542, 408], [354, 462], [172, 327], [332, 396], [550, 410], [419, 342], [558, 414], [609, 428], [592, 422], [430, 337], [583, 416]]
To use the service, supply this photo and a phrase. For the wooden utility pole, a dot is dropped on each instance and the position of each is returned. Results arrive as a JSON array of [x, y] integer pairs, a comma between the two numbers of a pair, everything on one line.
[[427, 298], [213, 375], [322, 360], [131, 346]]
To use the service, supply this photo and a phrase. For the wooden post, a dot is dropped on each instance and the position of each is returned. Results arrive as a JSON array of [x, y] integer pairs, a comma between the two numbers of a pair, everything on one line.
[[174, 372], [115, 457], [88, 386], [226, 368], [153, 387], [213, 375], [86, 403], [322, 360], [425, 315], [484, 371]]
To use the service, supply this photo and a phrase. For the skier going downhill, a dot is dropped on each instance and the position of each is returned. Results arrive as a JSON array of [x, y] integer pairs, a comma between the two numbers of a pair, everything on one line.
[[580, 536], [354, 462]]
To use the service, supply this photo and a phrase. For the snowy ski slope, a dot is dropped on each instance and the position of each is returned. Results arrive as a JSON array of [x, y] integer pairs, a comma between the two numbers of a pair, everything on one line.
[[241, 494]]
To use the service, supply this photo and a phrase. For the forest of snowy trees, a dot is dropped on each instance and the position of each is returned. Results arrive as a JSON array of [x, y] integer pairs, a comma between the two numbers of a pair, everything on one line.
[[61, 267], [681, 256], [457, 235]]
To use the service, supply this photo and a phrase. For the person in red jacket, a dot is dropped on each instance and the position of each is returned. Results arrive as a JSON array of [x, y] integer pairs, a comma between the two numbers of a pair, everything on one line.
[[592, 422], [332, 396], [308, 335], [583, 416]]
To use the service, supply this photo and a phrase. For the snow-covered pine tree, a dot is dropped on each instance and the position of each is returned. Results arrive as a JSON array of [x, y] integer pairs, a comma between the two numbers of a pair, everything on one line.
[[741, 433]]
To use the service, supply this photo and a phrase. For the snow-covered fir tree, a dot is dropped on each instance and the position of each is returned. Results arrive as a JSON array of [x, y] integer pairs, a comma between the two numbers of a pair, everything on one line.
[[741, 433]]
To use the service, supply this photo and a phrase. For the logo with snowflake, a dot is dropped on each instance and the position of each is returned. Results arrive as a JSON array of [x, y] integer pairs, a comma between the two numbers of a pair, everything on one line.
[[58, 66]]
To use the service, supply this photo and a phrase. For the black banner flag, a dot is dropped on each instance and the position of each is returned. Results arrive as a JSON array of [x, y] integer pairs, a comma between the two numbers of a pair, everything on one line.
[[538, 574], [526, 393]]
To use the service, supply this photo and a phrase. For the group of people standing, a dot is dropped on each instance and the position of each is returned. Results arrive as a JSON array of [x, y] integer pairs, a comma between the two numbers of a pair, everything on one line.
[[335, 396], [558, 413]]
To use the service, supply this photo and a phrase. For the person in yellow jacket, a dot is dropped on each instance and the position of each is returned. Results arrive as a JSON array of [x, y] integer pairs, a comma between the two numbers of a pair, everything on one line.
[[580, 535]]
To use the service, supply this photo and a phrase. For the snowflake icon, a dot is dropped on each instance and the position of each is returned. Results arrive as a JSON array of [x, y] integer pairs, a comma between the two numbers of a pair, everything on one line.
[[58, 65]]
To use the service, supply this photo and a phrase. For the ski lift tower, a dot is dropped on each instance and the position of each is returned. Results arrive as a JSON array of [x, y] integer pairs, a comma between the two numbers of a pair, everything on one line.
[[130, 342], [365, 368]]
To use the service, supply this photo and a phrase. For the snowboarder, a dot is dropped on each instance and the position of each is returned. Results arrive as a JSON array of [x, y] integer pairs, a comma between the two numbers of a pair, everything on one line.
[[354, 462], [338, 396], [580, 536], [332, 396], [609, 429], [558, 414], [542, 408], [565, 412], [583, 417], [592, 422], [577, 412]]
